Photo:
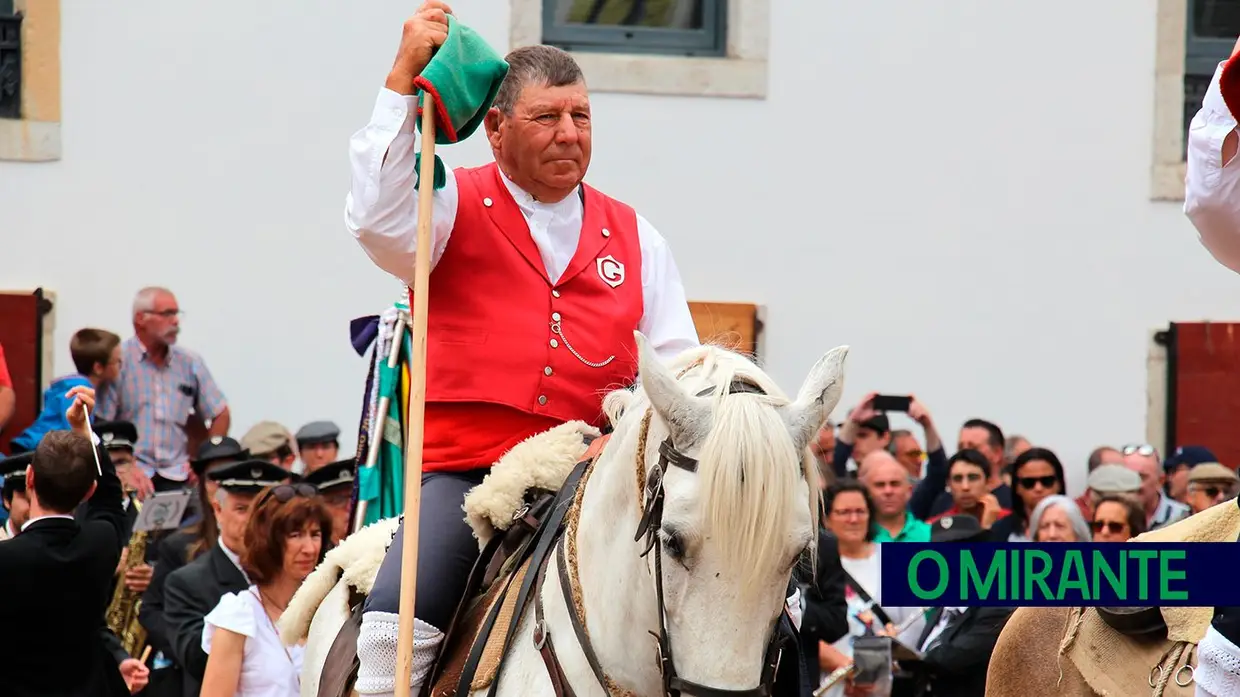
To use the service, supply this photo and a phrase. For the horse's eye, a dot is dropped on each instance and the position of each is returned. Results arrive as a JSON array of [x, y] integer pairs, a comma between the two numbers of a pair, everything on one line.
[[674, 544]]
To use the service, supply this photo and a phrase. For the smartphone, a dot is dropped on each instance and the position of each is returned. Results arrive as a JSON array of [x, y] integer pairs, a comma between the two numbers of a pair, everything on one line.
[[887, 402]]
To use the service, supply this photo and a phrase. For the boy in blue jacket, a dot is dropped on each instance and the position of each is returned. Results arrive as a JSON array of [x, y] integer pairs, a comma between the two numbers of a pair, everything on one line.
[[97, 356]]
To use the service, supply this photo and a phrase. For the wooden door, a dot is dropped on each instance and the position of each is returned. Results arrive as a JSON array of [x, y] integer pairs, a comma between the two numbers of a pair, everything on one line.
[[22, 336], [734, 325], [1203, 388]]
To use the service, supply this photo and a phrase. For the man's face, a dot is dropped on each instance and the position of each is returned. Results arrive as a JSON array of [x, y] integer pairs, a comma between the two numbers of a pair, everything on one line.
[[888, 483], [123, 461], [1202, 495], [867, 441], [112, 371], [544, 144], [909, 454], [232, 517], [163, 322], [338, 503], [979, 439], [1177, 482], [19, 509], [316, 455], [1152, 477], [967, 485]]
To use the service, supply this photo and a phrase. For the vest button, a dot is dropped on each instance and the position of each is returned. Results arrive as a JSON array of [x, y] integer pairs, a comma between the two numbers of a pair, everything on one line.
[[555, 293], [555, 317], [554, 343], [606, 232], [486, 202], [547, 370], [542, 399]]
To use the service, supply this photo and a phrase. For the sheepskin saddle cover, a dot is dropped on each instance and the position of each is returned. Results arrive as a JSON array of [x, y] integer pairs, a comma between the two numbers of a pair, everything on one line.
[[542, 461]]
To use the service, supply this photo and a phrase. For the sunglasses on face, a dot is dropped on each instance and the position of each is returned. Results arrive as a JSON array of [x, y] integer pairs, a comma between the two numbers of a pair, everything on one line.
[[1029, 482], [285, 492], [971, 477], [1142, 449], [1110, 526]]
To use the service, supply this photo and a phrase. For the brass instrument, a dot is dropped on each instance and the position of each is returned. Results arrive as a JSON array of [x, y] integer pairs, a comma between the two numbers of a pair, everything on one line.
[[122, 615]]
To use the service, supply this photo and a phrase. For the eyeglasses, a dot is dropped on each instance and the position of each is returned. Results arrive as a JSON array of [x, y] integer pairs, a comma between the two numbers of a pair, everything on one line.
[[1142, 449], [967, 477], [285, 492], [1046, 482], [1109, 525]]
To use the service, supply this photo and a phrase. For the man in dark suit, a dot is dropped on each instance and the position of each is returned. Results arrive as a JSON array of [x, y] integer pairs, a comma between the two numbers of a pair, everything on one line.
[[196, 588], [826, 610], [958, 641], [61, 569]]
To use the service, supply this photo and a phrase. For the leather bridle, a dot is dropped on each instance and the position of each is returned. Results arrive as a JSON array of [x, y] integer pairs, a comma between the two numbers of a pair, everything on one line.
[[648, 527]]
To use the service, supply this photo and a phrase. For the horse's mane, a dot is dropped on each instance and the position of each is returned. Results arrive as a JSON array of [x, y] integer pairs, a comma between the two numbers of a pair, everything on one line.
[[749, 470]]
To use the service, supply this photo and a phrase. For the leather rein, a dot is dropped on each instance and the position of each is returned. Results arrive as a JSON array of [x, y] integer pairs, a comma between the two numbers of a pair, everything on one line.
[[648, 527]]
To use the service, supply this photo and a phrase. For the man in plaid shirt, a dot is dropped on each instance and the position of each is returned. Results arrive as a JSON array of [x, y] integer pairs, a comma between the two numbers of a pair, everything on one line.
[[161, 385]]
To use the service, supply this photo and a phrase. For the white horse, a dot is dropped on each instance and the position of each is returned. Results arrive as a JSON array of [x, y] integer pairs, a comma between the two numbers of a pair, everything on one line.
[[739, 506]]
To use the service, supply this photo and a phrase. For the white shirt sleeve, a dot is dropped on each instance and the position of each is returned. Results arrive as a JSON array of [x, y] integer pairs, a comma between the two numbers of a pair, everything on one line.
[[381, 209], [1212, 187], [234, 613], [666, 320]]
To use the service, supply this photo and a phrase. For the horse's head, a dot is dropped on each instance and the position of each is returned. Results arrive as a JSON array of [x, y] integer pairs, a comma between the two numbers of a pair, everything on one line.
[[730, 503]]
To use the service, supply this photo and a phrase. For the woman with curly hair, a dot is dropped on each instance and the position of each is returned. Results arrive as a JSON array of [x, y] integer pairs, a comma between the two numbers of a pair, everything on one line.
[[287, 536]]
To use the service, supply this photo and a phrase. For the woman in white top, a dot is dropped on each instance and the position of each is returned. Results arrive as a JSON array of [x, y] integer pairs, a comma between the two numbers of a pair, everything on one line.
[[851, 519], [284, 542], [1212, 184]]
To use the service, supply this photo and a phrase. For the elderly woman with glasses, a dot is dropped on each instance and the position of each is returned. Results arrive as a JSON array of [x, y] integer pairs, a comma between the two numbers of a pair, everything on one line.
[[287, 536]]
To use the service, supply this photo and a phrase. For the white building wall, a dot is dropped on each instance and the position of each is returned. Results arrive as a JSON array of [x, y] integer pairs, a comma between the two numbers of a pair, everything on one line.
[[958, 189]]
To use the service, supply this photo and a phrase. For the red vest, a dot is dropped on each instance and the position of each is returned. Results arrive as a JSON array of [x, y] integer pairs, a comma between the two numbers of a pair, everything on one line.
[[499, 363]]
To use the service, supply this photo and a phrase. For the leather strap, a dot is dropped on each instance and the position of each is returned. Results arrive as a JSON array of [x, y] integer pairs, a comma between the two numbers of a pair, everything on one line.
[[542, 641], [547, 534], [583, 639]]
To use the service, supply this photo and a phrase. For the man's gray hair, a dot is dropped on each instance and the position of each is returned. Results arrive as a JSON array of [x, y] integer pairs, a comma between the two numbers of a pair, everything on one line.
[[544, 66], [144, 301]]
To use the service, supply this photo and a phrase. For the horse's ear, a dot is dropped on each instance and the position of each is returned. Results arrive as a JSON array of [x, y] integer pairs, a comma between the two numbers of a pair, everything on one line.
[[685, 415], [817, 398]]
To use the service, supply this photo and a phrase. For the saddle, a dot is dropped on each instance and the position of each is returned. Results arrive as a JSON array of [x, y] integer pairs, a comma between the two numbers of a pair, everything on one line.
[[500, 587]]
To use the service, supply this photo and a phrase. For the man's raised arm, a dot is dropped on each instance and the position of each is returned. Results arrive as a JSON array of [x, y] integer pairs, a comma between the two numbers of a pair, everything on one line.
[[1212, 184], [381, 209]]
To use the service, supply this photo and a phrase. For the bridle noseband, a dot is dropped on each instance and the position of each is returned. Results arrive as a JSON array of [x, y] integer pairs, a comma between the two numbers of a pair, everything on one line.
[[648, 527]]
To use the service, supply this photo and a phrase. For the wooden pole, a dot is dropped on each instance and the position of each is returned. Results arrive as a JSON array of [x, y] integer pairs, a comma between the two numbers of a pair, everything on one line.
[[417, 401]]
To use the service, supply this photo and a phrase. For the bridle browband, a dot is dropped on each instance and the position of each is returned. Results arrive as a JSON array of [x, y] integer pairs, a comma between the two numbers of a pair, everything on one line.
[[648, 526]]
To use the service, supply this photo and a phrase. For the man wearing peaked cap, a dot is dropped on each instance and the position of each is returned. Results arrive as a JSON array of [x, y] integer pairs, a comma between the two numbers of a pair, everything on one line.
[[1210, 484], [335, 485], [196, 588], [271, 441], [318, 443], [216, 452], [249, 476], [1179, 463], [13, 469], [119, 438]]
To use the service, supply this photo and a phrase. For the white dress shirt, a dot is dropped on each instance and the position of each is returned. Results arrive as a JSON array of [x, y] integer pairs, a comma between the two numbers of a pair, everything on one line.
[[45, 517], [381, 211], [1212, 187]]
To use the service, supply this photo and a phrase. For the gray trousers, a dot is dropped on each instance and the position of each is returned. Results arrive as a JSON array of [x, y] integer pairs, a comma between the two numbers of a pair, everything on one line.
[[447, 551]]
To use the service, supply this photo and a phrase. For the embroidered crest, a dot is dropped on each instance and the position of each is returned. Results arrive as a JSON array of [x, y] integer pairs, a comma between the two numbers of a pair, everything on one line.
[[216, 440], [610, 270], [256, 472], [947, 523], [107, 437]]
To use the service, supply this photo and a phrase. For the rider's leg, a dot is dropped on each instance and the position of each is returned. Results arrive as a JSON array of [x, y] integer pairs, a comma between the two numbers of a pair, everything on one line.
[[446, 553]]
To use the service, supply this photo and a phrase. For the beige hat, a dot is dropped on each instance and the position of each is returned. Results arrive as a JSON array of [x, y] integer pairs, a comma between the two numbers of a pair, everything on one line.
[[265, 437], [1113, 479], [1212, 472]]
